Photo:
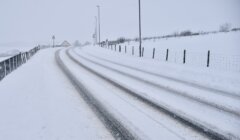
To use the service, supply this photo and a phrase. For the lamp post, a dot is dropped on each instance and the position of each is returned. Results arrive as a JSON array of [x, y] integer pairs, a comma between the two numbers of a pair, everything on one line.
[[99, 28], [53, 38], [140, 34]]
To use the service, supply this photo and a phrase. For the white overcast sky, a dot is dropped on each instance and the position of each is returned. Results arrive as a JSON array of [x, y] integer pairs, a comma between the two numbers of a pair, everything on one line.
[[35, 21]]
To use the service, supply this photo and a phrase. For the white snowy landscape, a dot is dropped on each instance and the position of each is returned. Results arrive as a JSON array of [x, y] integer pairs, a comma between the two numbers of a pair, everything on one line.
[[62, 77]]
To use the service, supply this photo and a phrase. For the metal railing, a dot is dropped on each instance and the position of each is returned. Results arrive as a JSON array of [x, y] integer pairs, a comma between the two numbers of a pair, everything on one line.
[[12, 63]]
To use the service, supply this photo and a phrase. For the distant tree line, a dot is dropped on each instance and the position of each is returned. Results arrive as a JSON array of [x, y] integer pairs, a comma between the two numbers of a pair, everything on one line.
[[186, 33]]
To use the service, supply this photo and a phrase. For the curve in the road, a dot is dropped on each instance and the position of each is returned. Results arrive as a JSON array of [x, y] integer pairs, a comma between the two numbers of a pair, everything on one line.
[[195, 125]]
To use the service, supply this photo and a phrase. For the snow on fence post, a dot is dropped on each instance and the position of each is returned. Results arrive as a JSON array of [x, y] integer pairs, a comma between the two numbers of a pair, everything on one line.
[[125, 49], [208, 58], [132, 50], [153, 53], [184, 56], [119, 48], [167, 55], [142, 52]]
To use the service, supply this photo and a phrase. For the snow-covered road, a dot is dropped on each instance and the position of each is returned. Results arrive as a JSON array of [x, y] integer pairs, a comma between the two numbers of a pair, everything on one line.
[[37, 102], [104, 93]]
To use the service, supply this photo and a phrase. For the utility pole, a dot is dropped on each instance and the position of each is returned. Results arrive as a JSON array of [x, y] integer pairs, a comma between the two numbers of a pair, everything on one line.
[[140, 34], [96, 36], [53, 38], [99, 28]]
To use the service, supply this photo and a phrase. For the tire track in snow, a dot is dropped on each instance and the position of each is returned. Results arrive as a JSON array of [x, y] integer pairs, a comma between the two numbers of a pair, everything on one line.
[[111, 123]]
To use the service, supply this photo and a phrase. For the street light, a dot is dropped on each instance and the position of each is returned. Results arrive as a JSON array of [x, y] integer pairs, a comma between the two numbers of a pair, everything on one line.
[[140, 34], [99, 34]]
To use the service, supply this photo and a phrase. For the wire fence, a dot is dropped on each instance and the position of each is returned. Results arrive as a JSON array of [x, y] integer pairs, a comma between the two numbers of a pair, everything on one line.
[[12, 63], [208, 59]]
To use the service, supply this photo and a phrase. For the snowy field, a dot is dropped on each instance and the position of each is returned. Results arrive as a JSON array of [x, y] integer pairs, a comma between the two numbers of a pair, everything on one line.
[[224, 49]]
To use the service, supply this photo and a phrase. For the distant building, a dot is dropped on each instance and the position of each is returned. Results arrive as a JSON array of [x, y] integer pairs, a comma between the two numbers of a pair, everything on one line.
[[65, 44]]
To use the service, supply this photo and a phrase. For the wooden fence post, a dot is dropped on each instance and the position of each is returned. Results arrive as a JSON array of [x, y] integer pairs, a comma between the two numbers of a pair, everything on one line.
[[184, 56], [153, 53], [125, 49], [5, 69], [119, 48], [208, 58], [10, 64], [132, 50], [167, 55], [142, 52], [115, 48]]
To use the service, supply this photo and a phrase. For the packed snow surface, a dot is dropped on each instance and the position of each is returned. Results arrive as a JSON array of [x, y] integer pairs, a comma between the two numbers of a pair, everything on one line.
[[38, 102]]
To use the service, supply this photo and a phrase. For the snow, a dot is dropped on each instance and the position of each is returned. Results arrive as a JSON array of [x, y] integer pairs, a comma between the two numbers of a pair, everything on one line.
[[224, 48], [137, 117], [196, 112], [44, 104], [3, 58], [228, 81], [38, 102], [183, 89]]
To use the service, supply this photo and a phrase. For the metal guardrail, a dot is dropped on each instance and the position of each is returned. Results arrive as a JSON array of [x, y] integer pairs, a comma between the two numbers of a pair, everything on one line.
[[12, 63]]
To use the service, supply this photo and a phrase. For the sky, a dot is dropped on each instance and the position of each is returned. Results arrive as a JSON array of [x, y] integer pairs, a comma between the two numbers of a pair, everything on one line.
[[34, 22]]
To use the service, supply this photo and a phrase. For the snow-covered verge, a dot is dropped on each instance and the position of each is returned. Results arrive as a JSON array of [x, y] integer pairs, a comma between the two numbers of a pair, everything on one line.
[[223, 80], [13, 49], [7, 52], [224, 48], [4, 58], [38, 102]]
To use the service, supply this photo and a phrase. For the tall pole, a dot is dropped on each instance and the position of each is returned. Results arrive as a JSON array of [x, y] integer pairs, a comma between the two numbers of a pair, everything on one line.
[[140, 34], [96, 36], [99, 28]]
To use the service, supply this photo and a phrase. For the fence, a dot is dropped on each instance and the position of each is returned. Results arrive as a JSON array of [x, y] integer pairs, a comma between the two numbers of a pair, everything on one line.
[[10, 64], [199, 59]]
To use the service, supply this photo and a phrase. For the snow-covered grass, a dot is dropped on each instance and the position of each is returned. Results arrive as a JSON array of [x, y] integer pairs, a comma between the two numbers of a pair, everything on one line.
[[3, 58], [224, 50], [8, 51], [229, 81]]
